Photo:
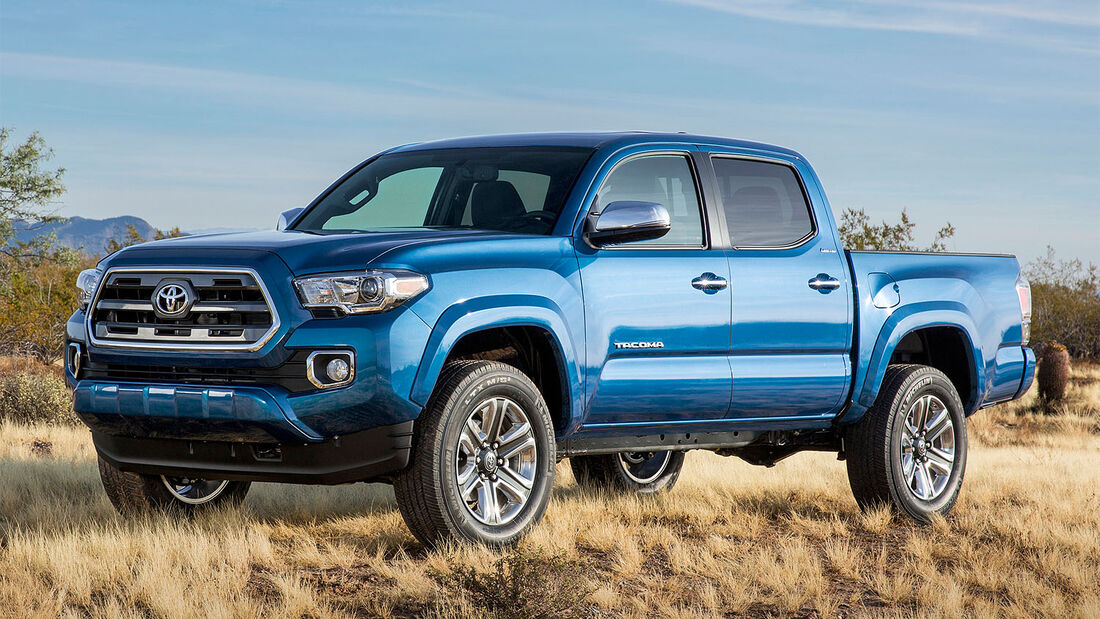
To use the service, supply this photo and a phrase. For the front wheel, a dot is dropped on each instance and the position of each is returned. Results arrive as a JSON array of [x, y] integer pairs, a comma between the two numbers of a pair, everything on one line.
[[482, 458], [643, 472], [133, 493], [909, 450]]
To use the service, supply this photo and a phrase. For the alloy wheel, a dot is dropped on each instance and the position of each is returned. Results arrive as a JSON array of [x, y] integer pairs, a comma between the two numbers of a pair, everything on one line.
[[928, 447], [496, 461], [194, 491]]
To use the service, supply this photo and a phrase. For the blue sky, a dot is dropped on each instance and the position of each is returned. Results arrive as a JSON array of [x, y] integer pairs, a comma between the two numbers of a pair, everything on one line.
[[203, 114]]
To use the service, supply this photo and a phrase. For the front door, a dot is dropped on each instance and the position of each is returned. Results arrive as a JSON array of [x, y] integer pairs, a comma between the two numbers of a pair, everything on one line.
[[791, 295], [656, 311]]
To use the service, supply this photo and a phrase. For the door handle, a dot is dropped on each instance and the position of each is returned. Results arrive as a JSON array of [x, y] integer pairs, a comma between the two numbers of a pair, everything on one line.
[[824, 283], [709, 283]]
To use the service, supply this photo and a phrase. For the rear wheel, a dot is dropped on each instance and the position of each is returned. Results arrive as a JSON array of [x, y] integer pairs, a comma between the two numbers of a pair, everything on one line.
[[483, 457], [644, 472], [133, 493], [909, 450]]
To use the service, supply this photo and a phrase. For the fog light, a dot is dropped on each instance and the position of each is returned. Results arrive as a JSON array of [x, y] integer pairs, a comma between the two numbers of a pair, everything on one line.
[[330, 368], [337, 370]]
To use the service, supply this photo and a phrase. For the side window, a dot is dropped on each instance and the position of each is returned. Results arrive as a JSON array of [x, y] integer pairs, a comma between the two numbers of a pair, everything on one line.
[[401, 201], [763, 203], [666, 180]]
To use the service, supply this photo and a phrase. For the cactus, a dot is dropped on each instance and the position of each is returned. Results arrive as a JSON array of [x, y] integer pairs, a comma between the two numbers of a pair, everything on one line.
[[1053, 372]]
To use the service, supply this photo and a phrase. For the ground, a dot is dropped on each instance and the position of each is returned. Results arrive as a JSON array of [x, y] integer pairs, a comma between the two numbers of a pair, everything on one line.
[[730, 540]]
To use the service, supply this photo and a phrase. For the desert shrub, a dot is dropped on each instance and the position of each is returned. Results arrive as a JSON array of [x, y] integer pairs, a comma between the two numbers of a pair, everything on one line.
[[521, 584], [859, 233], [13, 364], [35, 397], [37, 296], [1065, 304], [1054, 371]]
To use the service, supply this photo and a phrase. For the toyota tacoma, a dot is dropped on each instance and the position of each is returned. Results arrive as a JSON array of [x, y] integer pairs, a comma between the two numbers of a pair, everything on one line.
[[456, 317]]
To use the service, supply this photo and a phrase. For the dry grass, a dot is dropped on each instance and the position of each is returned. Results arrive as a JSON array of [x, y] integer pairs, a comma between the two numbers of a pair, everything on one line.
[[730, 540]]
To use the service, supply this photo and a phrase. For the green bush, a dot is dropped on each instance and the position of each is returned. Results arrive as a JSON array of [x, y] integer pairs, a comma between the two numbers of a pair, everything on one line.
[[1065, 298], [35, 397]]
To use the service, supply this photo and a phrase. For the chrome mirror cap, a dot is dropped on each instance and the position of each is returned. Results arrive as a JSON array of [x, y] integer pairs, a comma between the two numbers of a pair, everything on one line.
[[287, 217], [625, 221]]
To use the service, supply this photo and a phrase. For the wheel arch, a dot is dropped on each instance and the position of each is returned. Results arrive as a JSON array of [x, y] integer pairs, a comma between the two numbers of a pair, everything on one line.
[[528, 331], [941, 337]]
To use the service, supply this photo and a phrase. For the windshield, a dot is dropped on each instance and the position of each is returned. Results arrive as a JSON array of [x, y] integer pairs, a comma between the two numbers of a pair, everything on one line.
[[514, 189]]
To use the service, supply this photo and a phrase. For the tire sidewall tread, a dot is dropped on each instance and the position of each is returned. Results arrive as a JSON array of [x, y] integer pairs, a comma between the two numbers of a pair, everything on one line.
[[874, 469], [426, 495], [136, 494], [605, 471]]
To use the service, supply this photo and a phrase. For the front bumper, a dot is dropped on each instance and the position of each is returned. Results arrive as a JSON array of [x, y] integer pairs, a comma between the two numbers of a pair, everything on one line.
[[139, 402], [189, 412], [371, 455], [211, 410]]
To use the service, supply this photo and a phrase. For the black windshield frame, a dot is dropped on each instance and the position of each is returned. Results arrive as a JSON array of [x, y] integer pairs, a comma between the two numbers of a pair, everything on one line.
[[461, 170]]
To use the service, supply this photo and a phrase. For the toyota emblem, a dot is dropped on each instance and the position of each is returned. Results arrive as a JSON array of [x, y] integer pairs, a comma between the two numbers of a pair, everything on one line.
[[173, 299]]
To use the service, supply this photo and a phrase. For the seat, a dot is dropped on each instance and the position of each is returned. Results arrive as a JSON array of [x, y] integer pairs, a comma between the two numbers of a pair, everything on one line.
[[494, 205]]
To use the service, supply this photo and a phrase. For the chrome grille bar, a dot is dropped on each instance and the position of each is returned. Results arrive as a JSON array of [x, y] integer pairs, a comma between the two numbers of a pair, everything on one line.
[[231, 311]]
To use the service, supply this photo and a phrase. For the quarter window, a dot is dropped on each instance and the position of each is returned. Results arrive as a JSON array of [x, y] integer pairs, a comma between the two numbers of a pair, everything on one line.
[[763, 203], [666, 180]]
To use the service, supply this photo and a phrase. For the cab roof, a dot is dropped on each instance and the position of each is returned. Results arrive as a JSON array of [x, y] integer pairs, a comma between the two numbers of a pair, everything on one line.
[[595, 140]]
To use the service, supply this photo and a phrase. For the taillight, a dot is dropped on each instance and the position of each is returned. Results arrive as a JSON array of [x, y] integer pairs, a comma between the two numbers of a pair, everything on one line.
[[1023, 291]]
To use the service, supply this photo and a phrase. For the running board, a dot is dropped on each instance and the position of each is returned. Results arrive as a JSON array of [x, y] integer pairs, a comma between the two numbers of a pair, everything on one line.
[[664, 441]]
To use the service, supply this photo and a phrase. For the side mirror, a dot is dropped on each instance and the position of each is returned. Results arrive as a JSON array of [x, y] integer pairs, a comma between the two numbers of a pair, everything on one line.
[[622, 222], [288, 216]]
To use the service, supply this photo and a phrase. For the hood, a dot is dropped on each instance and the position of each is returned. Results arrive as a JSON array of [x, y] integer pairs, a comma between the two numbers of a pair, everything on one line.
[[304, 252]]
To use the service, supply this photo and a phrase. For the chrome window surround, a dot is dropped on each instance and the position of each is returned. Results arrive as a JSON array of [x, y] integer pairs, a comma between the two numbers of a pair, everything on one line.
[[312, 375], [254, 346]]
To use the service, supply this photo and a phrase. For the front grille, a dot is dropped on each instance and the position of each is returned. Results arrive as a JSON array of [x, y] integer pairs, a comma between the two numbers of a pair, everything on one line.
[[229, 309], [291, 375]]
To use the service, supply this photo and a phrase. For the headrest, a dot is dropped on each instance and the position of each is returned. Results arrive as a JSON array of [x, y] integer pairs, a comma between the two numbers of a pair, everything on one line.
[[492, 203]]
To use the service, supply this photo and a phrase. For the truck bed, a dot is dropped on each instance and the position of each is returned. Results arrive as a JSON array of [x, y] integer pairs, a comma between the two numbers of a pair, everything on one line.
[[972, 296]]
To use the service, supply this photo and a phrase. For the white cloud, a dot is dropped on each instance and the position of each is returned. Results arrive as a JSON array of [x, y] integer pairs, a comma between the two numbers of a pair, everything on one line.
[[857, 15], [1023, 23]]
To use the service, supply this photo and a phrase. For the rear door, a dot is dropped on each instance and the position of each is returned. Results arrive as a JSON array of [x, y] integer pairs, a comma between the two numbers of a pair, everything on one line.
[[656, 334], [791, 294]]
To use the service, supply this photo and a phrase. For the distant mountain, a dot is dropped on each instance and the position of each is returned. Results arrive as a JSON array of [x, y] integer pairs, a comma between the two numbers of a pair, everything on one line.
[[90, 234]]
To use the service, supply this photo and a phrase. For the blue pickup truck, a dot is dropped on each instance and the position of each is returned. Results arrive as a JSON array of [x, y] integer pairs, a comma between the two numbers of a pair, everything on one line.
[[456, 317]]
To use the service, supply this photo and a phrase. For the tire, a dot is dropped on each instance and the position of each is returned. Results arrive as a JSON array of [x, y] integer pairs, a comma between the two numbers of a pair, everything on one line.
[[901, 453], [135, 494], [458, 486], [640, 472]]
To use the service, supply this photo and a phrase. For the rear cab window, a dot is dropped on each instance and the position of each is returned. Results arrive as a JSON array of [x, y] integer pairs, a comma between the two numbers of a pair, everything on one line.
[[763, 202]]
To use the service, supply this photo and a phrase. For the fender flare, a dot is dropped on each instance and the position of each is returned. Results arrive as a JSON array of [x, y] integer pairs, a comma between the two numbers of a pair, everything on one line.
[[483, 313], [902, 322]]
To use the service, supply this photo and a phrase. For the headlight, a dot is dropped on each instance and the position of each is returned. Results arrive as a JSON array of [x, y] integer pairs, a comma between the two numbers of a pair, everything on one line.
[[373, 291], [86, 284]]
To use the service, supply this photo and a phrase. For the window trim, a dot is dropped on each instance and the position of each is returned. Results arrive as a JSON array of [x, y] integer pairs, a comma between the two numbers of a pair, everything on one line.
[[806, 238], [700, 197]]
